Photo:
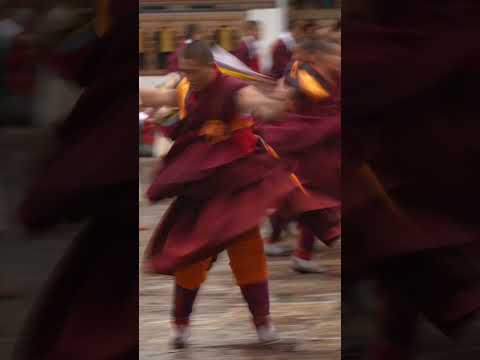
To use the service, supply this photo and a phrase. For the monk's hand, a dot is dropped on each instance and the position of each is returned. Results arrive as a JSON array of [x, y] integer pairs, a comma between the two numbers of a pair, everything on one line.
[[272, 111], [157, 98], [282, 91], [163, 113], [251, 101]]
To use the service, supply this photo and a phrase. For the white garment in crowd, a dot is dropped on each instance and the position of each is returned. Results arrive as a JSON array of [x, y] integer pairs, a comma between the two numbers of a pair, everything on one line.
[[288, 39]]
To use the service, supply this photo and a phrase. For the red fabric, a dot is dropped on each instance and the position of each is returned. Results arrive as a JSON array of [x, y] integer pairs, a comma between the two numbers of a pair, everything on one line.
[[417, 131], [323, 223], [184, 300], [148, 132], [279, 224], [223, 189], [303, 254], [243, 54], [174, 57], [258, 299], [192, 158], [254, 64], [312, 145], [281, 57], [334, 232], [213, 210], [305, 243], [245, 139]]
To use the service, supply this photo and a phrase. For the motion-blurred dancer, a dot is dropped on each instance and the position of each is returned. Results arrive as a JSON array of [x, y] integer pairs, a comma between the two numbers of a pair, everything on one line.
[[282, 50], [310, 138], [247, 51], [224, 183], [411, 178], [192, 33]]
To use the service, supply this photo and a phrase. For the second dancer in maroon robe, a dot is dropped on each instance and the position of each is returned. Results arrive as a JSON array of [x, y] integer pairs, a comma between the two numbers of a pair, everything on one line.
[[310, 140]]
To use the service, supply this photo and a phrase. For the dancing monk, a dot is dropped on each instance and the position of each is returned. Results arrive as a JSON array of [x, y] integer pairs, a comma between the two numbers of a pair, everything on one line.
[[224, 181]]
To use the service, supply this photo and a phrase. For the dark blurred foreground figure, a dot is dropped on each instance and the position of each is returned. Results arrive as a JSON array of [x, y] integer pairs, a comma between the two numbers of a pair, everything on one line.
[[89, 309], [410, 165], [17, 67], [310, 139], [224, 182]]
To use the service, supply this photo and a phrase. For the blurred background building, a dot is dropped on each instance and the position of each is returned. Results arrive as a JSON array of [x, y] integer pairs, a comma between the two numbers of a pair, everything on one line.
[[162, 24]]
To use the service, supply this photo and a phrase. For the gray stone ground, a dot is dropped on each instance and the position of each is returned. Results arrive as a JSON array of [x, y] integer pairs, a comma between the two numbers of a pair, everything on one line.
[[305, 308]]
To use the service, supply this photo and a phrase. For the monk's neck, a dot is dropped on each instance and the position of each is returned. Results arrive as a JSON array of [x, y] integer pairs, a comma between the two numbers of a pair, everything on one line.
[[212, 77]]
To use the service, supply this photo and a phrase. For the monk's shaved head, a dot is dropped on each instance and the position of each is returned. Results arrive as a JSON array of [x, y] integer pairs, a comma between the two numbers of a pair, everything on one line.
[[196, 64], [198, 51]]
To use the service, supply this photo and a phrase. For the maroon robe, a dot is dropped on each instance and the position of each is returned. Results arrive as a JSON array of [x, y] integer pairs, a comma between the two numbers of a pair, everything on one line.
[[92, 295], [244, 53], [223, 189], [281, 57], [173, 59], [309, 139], [418, 133]]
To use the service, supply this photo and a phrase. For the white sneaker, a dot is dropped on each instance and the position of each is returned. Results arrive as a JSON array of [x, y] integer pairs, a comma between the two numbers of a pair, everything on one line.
[[266, 334], [278, 249], [306, 266], [180, 336]]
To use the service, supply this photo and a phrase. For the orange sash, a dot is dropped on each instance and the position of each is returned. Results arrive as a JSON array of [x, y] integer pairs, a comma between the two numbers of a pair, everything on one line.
[[311, 87], [214, 130], [182, 92], [307, 83]]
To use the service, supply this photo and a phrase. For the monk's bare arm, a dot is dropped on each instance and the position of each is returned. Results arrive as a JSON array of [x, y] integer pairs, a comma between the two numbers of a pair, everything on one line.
[[252, 101], [157, 98]]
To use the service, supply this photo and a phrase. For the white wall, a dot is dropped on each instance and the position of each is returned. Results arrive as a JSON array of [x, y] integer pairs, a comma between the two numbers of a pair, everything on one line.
[[273, 22], [283, 4]]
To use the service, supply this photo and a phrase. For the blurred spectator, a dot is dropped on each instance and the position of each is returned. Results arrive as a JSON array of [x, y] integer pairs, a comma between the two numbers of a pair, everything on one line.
[[192, 32], [310, 27], [247, 52], [282, 50]]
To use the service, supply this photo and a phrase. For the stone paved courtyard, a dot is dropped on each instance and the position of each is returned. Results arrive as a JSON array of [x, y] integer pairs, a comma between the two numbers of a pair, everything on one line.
[[305, 308]]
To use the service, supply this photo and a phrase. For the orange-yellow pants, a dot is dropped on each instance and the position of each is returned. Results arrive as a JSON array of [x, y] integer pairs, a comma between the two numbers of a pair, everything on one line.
[[247, 261]]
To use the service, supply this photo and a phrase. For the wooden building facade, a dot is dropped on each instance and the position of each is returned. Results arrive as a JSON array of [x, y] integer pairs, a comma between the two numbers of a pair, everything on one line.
[[162, 23]]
